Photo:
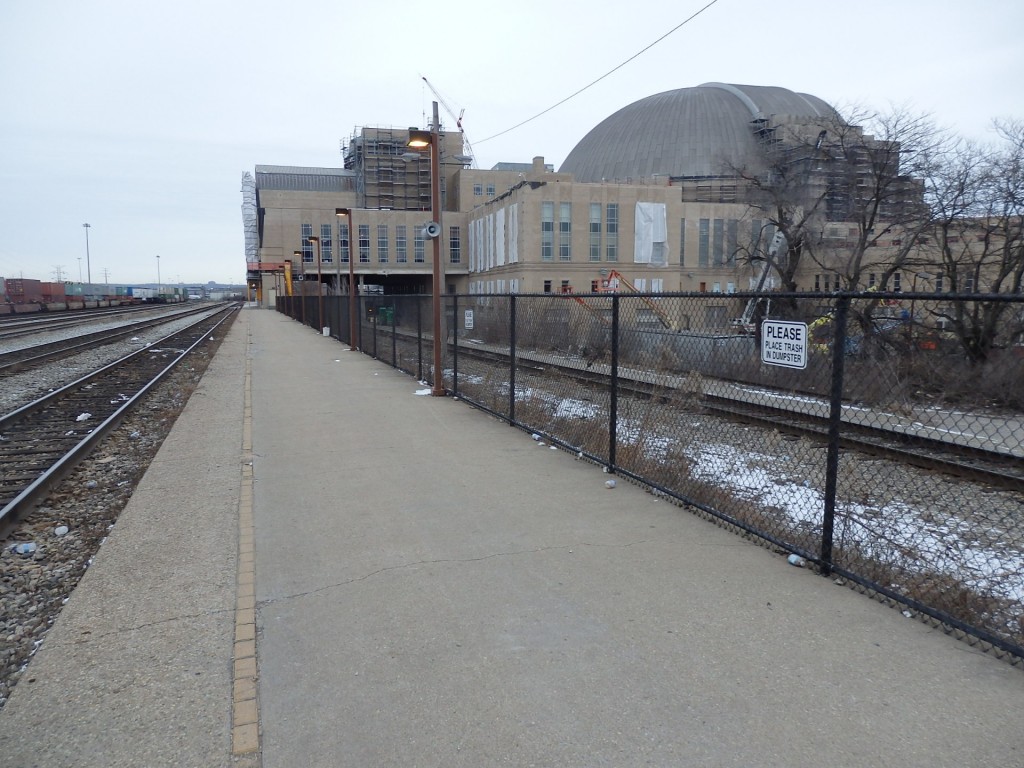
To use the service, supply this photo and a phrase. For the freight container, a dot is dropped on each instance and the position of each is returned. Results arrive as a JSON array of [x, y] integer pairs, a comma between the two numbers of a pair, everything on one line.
[[24, 291], [53, 292]]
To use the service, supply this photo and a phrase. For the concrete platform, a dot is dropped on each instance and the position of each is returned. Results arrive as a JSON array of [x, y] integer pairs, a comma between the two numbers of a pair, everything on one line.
[[429, 587]]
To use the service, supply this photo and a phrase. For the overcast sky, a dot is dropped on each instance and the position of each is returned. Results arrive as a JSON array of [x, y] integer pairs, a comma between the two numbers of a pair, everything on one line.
[[140, 117]]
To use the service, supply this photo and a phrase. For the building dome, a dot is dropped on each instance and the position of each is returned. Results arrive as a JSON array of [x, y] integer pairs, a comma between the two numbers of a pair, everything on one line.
[[687, 132]]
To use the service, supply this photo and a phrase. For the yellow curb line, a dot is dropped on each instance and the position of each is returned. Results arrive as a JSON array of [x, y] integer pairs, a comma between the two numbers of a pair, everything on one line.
[[245, 715]]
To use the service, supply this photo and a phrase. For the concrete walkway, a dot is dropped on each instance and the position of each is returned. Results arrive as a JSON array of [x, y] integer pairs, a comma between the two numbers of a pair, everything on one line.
[[432, 588]]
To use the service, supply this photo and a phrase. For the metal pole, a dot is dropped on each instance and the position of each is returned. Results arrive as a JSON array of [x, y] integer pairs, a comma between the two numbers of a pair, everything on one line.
[[347, 213], [834, 423], [319, 284], [437, 390], [419, 337], [613, 404], [512, 360], [159, 284], [88, 265], [455, 345]]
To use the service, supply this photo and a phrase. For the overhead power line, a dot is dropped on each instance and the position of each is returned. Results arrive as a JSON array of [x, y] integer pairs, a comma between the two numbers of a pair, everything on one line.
[[683, 23]]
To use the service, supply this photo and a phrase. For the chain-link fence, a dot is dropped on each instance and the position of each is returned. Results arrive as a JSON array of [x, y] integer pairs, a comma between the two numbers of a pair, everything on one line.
[[878, 436]]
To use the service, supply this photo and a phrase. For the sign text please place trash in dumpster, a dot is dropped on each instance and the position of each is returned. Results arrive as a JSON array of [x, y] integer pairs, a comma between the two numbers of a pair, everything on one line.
[[784, 343]]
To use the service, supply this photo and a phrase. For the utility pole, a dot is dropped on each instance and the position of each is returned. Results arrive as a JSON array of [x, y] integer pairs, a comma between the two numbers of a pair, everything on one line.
[[88, 265]]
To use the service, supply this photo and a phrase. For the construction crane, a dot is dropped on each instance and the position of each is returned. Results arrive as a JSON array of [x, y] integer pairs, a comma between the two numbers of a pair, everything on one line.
[[615, 280], [467, 148]]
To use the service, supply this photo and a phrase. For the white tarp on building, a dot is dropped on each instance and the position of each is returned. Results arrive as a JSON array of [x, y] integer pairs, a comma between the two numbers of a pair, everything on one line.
[[650, 234], [249, 222]]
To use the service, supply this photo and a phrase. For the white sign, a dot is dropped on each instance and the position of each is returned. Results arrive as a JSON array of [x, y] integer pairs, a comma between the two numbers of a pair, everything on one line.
[[469, 320], [784, 343]]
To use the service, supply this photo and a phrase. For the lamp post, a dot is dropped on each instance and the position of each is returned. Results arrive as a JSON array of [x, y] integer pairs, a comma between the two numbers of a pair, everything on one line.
[[88, 267], [159, 285], [319, 281], [347, 213], [432, 139], [302, 293]]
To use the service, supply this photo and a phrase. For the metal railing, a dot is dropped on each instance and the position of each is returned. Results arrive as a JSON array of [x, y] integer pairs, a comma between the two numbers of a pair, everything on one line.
[[884, 444]]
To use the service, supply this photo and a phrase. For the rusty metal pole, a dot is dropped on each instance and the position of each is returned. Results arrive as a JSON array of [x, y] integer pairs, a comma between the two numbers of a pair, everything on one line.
[[347, 213], [437, 390], [319, 284]]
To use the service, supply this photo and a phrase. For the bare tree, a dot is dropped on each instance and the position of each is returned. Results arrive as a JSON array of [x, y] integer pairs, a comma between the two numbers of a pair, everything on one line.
[[977, 205]]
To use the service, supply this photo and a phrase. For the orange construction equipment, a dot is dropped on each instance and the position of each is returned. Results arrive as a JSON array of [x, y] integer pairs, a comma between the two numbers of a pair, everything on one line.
[[615, 280]]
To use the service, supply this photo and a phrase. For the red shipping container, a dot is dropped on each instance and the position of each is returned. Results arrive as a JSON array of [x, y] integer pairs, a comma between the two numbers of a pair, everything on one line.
[[53, 292]]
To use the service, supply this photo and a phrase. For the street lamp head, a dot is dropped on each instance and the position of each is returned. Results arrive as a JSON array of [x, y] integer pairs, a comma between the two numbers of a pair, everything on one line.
[[341, 211], [408, 157], [313, 239], [419, 138]]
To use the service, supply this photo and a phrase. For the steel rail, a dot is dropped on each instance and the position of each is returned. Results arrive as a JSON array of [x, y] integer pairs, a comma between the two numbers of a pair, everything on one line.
[[13, 361], [42, 484]]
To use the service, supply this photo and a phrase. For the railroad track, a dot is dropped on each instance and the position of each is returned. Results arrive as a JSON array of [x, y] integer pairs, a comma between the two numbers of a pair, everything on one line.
[[27, 357], [968, 462], [977, 458], [41, 441], [38, 322]]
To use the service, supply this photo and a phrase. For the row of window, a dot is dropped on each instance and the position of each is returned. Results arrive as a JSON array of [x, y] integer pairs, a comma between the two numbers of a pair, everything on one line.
[[383, 244], [608, 229], [478, 190], [718, 240], [933, 283]]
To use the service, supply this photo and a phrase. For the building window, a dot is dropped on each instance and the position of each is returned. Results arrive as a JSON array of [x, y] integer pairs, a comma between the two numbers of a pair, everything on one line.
[[344, 247], [871, 280], [732, 241], [490, 190], [454, 245], [817, 283], [418, 247], [547, 286], [364, 243], [704, 243], [547, 231], [938, 283], [565, 231], [595, 231], [657, 285], [478, 190], [401, 244], [682, 242], [566, 287], [611, 231], [307, 247], [383, 251], [718, 243], [969, 284], [897, 282], [326, 246]]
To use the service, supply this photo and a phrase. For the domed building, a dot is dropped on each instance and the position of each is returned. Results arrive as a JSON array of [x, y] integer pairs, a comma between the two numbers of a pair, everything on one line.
[[688, 133], [660, 196]]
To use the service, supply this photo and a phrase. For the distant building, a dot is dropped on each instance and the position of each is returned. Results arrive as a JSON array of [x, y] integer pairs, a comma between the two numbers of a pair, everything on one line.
[[653, 194]]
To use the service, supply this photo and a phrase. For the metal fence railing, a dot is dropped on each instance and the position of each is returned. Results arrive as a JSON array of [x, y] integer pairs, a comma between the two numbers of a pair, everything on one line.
[[878, 436]]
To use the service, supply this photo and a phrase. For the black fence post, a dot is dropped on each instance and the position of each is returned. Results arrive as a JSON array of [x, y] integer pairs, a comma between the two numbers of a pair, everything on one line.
[[455, 346], [512, 360], [613, 405], [394, 335], [360, 308], [419, 338], [835, 418]]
